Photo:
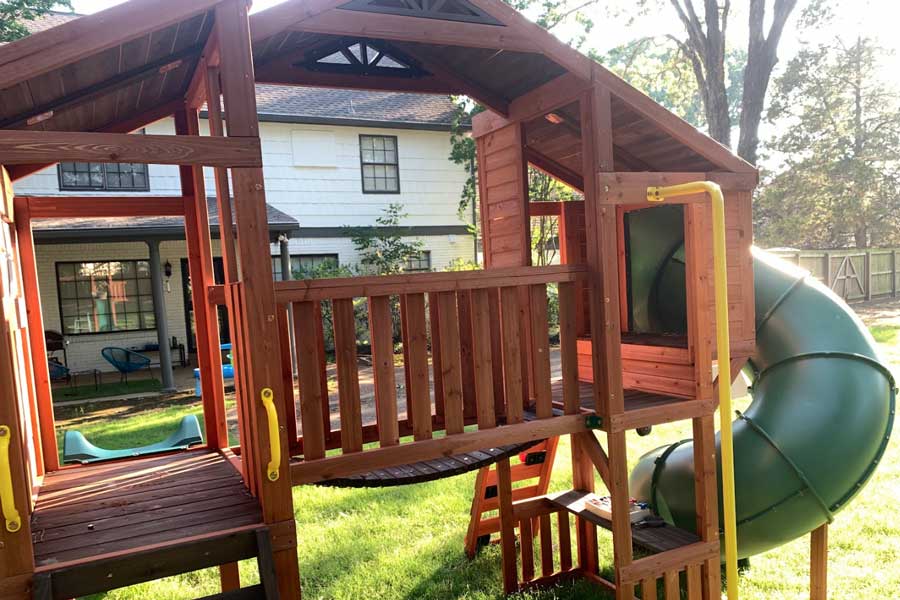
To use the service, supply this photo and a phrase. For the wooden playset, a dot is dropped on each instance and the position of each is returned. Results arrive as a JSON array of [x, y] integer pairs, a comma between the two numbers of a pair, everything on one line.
[[477, 364]]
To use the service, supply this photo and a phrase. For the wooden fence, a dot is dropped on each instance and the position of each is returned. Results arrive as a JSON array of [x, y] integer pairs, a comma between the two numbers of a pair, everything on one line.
[[854, 275]]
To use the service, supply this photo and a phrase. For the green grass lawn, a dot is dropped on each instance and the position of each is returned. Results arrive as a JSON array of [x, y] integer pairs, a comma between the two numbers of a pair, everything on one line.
[[65, 393], [407, 542]]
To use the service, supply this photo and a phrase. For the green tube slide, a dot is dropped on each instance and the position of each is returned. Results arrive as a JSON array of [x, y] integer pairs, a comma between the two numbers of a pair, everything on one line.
[[822, 410]]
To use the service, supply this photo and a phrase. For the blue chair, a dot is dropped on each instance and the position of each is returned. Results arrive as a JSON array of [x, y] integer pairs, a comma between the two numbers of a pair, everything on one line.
[[126, 361], [58, 371]]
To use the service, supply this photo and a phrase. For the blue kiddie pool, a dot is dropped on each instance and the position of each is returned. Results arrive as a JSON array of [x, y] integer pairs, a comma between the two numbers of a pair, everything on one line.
[[227, 371]]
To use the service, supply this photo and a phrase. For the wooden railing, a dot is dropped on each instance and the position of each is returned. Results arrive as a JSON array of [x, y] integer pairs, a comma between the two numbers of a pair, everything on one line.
[[475, 365]]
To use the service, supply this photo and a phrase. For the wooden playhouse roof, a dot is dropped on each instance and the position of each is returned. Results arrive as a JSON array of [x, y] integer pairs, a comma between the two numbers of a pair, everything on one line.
[[129, 65]]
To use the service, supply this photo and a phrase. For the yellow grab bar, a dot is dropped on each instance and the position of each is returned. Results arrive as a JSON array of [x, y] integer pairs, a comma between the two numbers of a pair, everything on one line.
[[7, 498], [723, 345], [274, 438]]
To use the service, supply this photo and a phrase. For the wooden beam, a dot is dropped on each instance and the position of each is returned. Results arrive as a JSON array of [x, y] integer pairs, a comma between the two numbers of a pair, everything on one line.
[[31, 288], [129, 125], [282, 73], [360, 462], [68, 43], [24, 147], [565, 89], [58, 207], [300, 290], [281, 17], [416, 29], [818, 563], [554, 169], [673, 560]]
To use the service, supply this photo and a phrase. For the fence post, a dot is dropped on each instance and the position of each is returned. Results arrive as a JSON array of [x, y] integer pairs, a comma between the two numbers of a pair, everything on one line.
[[828, 270], [867, 261], [893, 273]]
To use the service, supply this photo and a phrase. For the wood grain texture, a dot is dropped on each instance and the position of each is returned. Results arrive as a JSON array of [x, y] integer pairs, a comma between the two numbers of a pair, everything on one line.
[[451, 365], [415, 344], [25, 147], [309, 361], [381, 331], [347, 375]]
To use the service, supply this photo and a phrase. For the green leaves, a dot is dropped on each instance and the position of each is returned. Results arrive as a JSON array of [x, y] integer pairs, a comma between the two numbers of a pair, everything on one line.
[[15, 13]]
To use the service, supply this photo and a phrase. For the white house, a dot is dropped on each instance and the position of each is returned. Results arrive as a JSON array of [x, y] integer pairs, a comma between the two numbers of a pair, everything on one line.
[[333, 159]]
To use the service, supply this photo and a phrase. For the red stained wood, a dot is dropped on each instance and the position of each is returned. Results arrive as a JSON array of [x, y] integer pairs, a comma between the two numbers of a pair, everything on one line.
[[415, 342], [381, 328], [451, 363], [309, 363], [347, 375]]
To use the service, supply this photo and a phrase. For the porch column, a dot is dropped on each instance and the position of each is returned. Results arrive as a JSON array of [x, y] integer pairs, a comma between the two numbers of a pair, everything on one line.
[[159, 311], [285, 255]]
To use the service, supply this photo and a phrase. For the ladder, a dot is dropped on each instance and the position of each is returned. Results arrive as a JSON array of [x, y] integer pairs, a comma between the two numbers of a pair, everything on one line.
[[534, 463]]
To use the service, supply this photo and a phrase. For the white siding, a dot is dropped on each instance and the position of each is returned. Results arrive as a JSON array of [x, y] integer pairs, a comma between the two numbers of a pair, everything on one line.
[[327, 196]]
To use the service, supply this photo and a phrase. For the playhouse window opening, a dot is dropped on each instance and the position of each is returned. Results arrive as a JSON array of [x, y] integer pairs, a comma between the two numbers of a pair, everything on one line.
[[380, 164], [104, 297], [654, 271]]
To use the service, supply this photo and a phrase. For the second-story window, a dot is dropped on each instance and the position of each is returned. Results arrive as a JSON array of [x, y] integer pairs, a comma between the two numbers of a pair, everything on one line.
[[380, 167], [117, 177]]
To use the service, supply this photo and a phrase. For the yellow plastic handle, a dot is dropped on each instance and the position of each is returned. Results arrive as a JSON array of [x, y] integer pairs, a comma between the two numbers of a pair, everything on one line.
[[7, 499], [723, 346], [274, 438]]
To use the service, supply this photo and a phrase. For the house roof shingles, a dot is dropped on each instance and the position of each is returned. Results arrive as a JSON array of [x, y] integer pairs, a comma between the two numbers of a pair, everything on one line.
[[140, 228]]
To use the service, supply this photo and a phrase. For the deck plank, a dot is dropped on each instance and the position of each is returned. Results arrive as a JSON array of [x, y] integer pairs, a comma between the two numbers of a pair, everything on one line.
[[91, 511]]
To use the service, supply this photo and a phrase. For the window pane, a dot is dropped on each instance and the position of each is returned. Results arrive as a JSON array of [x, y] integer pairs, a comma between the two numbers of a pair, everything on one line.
[[102, 297]]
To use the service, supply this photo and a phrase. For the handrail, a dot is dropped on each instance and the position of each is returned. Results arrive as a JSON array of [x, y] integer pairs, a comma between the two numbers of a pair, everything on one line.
[[723, 348], [274, 438], [7, 498], [300, 290]]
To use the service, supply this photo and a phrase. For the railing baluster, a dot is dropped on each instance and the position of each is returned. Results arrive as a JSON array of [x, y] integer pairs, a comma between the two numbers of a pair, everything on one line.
[[694, 582], [484, 367], [526, 545], [512, 354], [287, 377], [648, 589], [415, 347], [309, 364], [670, 582], [451, 368], [565, 541], [466, 349], [319, 323], [568, 346], [436, 362], [546, 545], [381, 336], [497, 353], [348, 376], [540, 351]]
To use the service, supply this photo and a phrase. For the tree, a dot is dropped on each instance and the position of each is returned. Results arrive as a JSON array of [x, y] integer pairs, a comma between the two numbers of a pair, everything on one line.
[[382, 248], [660, 68], [840, 146], [704, 45], [15, 13]]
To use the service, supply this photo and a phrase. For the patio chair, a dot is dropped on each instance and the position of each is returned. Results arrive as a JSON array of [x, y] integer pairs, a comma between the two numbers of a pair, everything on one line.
[[126, 361], [58, 371]]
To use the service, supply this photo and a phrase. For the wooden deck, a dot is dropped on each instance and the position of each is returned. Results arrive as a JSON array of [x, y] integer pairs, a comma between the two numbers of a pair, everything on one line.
[[86, 513]]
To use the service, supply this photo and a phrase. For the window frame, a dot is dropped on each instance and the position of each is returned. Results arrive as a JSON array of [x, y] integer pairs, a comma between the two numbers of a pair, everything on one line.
[[363, 164], [422, 253], [59, 298], [105, 188], [276, 261]]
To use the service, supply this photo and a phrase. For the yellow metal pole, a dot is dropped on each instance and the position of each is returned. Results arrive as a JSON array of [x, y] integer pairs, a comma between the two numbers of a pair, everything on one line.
[[723, 347], [7, 497]]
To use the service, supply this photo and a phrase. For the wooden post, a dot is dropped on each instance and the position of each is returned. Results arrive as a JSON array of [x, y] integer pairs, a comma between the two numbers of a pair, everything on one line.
[[507, 528], [828, 270], [258, 315], [893, 273], [16, 556], [200, 265], [38, 345], [602, 256], [868, 274], [818, 563]]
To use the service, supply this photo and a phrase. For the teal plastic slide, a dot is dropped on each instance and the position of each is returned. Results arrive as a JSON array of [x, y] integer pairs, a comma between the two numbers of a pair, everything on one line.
[[77, 449], [822, 410]]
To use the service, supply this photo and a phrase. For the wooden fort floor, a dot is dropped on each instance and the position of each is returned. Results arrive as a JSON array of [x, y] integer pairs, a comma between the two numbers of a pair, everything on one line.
[[90, 512]]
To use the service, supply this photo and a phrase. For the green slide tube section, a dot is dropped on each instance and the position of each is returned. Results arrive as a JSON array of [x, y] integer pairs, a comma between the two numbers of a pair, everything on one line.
[[820, 420]]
